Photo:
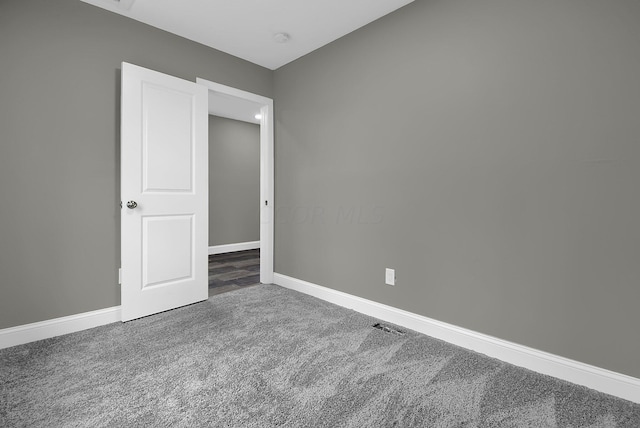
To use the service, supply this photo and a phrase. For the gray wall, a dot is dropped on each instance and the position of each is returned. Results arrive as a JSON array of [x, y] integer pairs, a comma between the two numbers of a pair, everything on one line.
[[489, 151], [234, 181], [59, 139]]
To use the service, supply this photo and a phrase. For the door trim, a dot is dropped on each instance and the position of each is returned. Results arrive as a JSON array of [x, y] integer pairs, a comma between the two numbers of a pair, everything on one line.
[[266, 170]]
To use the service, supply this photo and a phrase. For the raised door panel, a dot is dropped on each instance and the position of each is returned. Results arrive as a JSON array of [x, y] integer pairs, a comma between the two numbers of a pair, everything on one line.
[[168, 139]]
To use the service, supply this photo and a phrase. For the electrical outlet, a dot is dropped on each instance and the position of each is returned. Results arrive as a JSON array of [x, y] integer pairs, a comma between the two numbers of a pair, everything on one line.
[[390, 276]]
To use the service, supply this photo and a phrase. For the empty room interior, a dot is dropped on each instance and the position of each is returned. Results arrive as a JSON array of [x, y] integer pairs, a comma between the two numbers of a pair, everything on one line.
[[428, 217], [234, 207]]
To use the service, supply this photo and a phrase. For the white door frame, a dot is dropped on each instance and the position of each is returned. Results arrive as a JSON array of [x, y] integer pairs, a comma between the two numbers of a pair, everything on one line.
[[266, 170]]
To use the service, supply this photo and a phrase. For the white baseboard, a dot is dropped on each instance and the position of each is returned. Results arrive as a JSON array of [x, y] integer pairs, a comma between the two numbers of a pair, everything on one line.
[[603, 380], [58, 326], [230, 248]]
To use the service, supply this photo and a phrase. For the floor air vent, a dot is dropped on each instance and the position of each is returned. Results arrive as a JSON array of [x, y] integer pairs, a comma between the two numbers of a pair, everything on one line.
[[388, 329]]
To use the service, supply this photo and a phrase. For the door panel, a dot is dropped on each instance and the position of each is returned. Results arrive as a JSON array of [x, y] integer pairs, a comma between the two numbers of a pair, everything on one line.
[[164, 149], [167, 249], [167, 118]]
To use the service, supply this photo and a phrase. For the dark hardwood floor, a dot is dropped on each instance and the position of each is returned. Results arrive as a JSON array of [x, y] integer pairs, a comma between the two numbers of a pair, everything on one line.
[[232, 271]]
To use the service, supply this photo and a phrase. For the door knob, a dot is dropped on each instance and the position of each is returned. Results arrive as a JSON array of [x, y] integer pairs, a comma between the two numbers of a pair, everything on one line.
[[132, 204]]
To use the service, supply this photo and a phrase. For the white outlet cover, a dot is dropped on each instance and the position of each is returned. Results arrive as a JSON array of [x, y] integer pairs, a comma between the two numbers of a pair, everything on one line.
[[390, 276]]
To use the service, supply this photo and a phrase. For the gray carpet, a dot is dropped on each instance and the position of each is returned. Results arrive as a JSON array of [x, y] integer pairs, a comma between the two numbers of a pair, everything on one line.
[[266, 356]]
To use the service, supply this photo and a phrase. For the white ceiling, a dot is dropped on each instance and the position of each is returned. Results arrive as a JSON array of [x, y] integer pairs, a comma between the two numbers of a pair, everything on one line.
[[246, 28]]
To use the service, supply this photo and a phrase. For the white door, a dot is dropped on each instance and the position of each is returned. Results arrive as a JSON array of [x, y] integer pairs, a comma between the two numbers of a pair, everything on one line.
[[164, 192]]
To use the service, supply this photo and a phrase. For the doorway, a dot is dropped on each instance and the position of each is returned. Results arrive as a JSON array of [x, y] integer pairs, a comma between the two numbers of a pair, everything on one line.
[[232, 103], [234, 208], [164, 170]]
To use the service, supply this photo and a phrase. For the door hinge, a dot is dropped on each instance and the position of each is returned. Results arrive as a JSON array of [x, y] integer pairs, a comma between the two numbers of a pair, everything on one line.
[[119, 275]]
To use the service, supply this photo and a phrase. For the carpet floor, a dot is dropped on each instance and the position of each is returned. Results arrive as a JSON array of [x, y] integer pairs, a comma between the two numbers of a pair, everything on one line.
[[266, 356]]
